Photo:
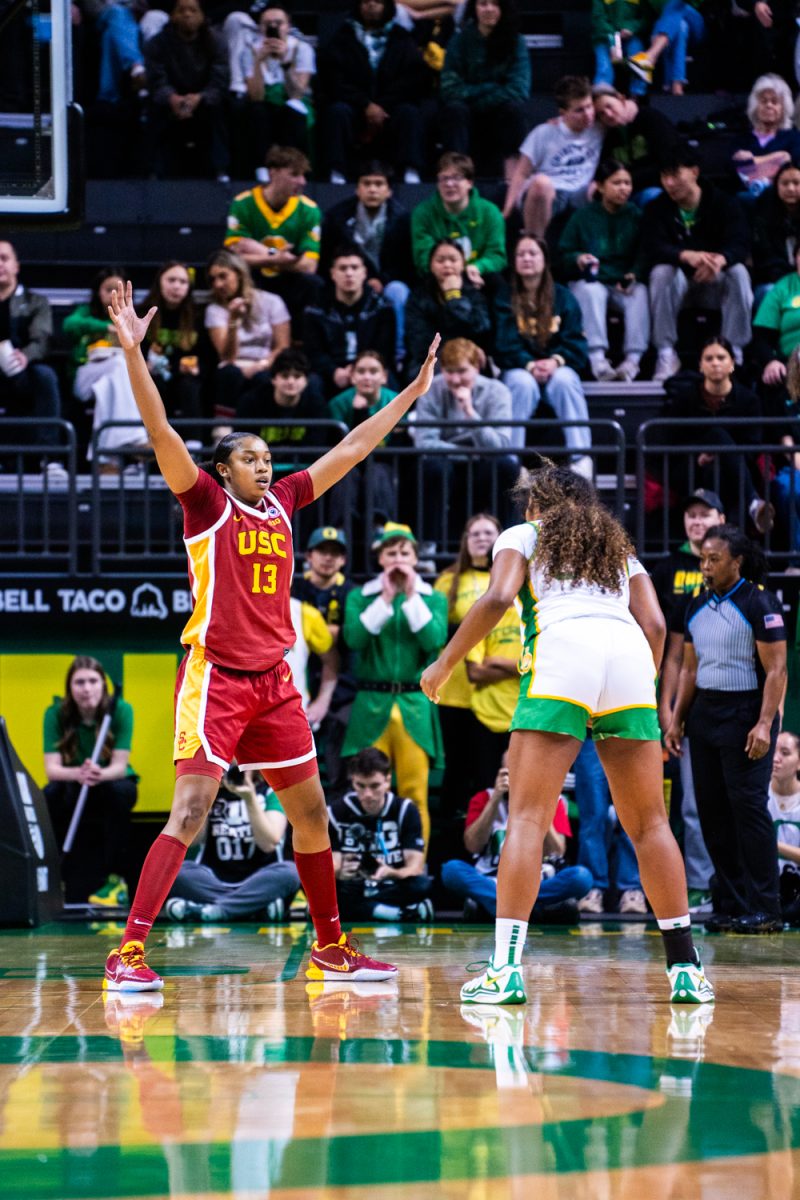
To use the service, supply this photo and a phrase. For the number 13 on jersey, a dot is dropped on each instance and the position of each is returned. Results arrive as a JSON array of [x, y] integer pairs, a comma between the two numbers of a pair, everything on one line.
[[264, 578]]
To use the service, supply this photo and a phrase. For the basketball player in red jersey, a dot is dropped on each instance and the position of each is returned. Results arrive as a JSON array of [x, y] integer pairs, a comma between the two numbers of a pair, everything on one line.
[[234, 694]]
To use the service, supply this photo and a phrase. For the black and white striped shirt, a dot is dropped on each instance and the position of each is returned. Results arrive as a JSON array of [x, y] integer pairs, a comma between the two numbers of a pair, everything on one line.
[[724, 631]]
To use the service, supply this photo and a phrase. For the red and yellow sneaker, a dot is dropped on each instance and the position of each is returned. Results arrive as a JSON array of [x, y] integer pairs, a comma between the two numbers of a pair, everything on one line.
[[344, 960], [126, 971]]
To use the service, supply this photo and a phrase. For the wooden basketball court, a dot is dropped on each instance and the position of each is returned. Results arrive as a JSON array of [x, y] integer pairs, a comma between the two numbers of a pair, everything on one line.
[[244, 1080]]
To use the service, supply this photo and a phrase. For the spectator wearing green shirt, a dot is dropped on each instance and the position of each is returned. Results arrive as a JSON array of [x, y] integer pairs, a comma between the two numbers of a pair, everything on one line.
[[366, 396], [458, 214], [276, 229], [618, 30], [776, 329], [486, 81], [94, 868]]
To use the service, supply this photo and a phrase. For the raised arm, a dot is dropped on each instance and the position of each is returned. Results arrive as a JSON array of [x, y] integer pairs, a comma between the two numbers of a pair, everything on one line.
[[508, 576], [360, 441], [174, 461]]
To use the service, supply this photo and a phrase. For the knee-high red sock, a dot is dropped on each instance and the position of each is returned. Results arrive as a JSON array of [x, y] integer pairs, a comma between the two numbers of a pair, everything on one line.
[[160, 869], [319, 884]]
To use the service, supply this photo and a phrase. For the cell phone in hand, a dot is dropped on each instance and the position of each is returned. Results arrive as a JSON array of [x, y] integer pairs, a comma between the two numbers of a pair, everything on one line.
[[273, 30]]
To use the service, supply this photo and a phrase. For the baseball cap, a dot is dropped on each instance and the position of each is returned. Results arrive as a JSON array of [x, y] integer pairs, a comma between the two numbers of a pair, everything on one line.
[[704, 496], [327, 533], [391, 532]]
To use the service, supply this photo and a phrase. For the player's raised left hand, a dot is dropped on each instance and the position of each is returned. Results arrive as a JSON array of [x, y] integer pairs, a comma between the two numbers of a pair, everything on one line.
[[130, 328], [424, 379]]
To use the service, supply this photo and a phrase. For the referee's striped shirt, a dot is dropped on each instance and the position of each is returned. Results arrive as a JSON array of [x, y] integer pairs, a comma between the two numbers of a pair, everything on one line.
[[724, 631]]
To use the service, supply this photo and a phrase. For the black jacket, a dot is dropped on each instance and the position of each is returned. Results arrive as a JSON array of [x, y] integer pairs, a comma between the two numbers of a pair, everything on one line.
[[462, 316], [326, 326], [643, 146], [685, 400], [344, 72], [775, 236], [175, 66], [720, 227], [338, 229]]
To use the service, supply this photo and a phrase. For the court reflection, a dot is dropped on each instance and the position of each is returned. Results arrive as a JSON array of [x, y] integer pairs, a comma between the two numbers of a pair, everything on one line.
[[231, 1086]]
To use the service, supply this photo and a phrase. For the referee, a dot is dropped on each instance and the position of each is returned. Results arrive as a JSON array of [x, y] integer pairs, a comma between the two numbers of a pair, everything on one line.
[[731, 685]]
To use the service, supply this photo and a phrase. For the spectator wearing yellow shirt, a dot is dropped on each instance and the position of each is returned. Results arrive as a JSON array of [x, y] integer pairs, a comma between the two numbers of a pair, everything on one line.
[[313, 637], [492, 671], [462, 583]]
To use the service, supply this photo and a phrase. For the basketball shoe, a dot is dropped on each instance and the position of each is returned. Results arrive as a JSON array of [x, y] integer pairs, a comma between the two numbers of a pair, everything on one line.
[[113, 893], [344, 960], [126, 971], [497, 985], [688, 984]]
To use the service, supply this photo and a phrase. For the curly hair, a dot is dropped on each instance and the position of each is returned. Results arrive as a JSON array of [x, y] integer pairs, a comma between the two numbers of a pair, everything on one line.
[[578, 540], [69, 713]]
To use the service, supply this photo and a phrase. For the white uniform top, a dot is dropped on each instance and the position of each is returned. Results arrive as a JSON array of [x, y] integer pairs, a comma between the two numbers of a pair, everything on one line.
[[546, 603]]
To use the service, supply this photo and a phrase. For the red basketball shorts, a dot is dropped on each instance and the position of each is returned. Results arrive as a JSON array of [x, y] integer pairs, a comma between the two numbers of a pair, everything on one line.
[[254, 717]]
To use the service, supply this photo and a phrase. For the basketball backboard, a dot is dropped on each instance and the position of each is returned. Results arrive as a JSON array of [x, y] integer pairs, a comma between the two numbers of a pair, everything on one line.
[[37, 118]]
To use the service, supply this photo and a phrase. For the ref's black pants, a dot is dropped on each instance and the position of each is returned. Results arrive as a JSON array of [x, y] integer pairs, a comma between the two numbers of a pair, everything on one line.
[[731, 792]]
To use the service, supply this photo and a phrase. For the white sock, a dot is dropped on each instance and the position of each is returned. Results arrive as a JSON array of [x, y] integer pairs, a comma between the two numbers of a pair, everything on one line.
[[675, 922], [386, 912], [509, 941]]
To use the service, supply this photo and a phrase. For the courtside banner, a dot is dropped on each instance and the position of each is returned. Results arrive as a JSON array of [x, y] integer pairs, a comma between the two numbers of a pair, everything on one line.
[[159, 604]]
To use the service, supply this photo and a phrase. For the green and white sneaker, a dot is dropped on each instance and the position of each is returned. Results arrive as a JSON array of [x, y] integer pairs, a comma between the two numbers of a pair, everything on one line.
[[689, 984], [497, 985]]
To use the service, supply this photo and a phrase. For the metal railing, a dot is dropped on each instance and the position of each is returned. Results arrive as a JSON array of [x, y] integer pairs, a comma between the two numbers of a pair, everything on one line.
[[38, 494], [668, 459], [134, 516]]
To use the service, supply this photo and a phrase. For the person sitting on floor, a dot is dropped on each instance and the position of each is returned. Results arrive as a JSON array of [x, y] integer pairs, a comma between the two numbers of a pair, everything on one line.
[[239, 873], [484, 834], [378, 848]]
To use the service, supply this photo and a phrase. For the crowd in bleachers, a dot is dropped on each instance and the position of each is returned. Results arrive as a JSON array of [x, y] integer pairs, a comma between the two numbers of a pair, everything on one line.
[[603, 209]]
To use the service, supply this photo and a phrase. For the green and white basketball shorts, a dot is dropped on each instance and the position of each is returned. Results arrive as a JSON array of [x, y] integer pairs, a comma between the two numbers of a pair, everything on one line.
[[590, 669]]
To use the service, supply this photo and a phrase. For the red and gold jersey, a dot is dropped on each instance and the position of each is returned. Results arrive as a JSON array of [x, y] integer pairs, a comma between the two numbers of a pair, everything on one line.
[[241, 562]]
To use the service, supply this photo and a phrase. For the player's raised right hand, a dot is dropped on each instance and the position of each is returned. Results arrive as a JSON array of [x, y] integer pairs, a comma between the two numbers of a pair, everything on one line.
[[130, 328]]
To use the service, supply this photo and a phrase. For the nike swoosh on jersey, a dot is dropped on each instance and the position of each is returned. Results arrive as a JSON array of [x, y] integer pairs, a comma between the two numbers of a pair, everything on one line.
[[237, 518], [286, 678]]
